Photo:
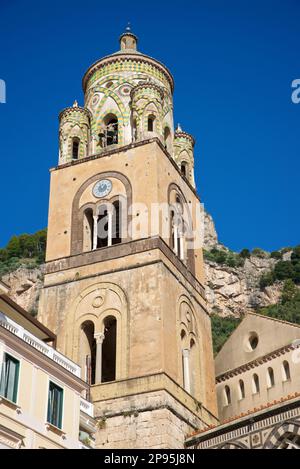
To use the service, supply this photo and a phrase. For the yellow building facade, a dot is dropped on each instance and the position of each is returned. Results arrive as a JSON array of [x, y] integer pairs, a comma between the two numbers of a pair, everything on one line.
[[41, 393], [124, 279]]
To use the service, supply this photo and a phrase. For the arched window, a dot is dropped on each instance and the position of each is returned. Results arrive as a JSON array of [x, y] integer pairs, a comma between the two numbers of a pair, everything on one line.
[[109, 134], [286, 374], [116, 223], [255, 384], [177, 229], [88, 230], [134, 130], [167, 139], [75, 148], [109, 350], [241, 389], [88, 352], [184, 169], [102, 227], [270, 378], [151, 120], [108, 225], [227, 395]]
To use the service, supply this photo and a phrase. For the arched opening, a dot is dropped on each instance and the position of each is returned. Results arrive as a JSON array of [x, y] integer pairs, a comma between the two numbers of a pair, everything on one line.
[[255, 384], [167, 139], [88, 230], [270, 378], [227, 395], [110, 131], [184, 169], [134, 130], [116, 223], [75, 148], [88, 352], [193, 367], [102, 227], [109, 350], [241, 389], [151, 122], [286, 373], [177, 230]]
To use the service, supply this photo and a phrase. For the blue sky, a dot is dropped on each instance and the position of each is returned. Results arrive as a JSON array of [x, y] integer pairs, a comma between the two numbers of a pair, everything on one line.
[[233, 63]]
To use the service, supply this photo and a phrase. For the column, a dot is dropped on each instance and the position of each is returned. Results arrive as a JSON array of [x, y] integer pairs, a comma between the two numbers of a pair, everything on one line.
[[175, 237], [186, 370], [99, 337], [181, 242], [95, 232]]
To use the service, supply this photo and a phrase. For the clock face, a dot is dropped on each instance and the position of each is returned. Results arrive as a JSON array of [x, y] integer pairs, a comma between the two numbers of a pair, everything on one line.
[[102, 188]]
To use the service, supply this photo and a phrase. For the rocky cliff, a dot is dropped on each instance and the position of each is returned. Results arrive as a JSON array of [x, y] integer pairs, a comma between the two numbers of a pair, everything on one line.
[[25, 287], [230, 290]]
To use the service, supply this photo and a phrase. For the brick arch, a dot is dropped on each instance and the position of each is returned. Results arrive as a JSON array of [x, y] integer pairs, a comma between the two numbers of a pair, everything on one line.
[[77, 214], [277, 434], [235, 445]]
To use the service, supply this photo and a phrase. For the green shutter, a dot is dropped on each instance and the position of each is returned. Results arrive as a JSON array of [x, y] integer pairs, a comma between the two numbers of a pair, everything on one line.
[[9, 378], [55, 405]]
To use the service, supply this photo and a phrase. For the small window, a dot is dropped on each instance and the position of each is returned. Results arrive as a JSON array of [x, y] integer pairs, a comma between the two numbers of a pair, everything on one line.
[[286, 374], [75, 149], [227, 395], [55, 405], [241, 389], [9, 378], [151, 120], [270, 378], [255, 384], [183, 169]]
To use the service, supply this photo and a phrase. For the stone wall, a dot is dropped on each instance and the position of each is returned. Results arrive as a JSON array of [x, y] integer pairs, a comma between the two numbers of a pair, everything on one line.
[[149, 420]]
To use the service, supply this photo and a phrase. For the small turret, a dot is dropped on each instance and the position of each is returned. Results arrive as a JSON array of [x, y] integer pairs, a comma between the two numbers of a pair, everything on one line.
[[184, 153], [128, 40], [74, 132]]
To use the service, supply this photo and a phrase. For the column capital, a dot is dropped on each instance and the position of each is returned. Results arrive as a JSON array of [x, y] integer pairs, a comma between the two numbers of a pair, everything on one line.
[[185, 352], [99, 337]]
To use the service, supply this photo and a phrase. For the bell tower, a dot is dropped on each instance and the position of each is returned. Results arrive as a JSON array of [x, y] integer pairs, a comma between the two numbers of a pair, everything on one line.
[[124, 278]]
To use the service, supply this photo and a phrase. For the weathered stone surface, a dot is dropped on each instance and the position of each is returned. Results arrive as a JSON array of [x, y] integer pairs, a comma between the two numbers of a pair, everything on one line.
[[25, 285]]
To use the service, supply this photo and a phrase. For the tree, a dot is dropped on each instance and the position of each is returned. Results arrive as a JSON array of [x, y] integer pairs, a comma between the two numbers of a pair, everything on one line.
[[289, 291], [266, 280], [276, 255], [222, 328], [245, 253], [13, 247], [257, 252], [284, 270]]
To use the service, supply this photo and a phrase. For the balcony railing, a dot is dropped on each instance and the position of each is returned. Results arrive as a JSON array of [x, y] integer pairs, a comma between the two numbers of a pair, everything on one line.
[[39, 345], [87, 407]]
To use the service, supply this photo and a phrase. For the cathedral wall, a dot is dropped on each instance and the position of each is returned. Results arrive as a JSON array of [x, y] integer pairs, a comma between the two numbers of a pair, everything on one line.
[[141, 163], [149, 420]]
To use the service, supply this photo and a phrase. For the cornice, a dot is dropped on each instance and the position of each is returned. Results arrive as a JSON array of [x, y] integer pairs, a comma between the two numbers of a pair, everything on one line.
[[123, 57], [145, 85], [182, 134], [254, 363], [71, 110]]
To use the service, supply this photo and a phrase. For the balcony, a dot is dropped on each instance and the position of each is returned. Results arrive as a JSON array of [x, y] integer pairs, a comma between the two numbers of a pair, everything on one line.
[[86, 407], [39, 345]]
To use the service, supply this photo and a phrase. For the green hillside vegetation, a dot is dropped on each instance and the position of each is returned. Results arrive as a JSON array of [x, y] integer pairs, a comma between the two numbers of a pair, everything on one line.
[[283, 270], [288, 309], [222, 328], [234, 259], [23, 250]]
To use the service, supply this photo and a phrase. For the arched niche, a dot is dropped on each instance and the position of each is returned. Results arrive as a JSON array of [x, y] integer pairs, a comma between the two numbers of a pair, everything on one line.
[[95, 304], [84, 199]]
